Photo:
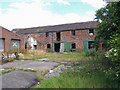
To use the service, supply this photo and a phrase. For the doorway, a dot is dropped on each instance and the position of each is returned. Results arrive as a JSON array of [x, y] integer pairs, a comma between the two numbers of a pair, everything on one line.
[[57, 47]]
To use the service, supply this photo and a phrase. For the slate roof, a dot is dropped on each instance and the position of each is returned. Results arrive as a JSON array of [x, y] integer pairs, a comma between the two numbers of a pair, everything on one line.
[[56, 28]]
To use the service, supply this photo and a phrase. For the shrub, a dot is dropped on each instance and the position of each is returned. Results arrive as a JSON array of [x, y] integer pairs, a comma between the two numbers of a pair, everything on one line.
[[114, 55], [90, 52]]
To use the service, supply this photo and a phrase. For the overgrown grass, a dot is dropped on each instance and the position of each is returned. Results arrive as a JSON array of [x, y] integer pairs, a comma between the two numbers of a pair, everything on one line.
[[78, 80], [90, 74], [55, 57]]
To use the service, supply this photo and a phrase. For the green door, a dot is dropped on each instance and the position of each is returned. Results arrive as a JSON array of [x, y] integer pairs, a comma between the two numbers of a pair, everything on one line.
[[67, 46], [85, 45]]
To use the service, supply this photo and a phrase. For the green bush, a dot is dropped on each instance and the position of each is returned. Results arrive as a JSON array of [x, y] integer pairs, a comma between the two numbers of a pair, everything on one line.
[[90, 52]]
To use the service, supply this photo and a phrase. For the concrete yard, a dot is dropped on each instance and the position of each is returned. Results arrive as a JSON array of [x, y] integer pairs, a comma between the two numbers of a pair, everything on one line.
[[29, 64], [21, 79], [18, 79]]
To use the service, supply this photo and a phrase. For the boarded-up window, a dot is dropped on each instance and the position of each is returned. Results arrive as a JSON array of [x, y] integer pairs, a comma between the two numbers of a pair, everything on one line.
[[15, 44], [1, 45]]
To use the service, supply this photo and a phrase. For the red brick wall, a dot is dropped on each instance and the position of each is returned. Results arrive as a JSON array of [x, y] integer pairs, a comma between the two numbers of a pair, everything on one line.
[[65, 37], [7, 36]]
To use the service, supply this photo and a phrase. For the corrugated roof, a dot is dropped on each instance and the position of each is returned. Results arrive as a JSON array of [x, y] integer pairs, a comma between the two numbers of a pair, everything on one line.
[[56, 28]]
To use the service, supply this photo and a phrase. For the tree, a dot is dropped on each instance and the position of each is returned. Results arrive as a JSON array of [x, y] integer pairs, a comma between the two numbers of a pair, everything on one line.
[[109, 17], [109, 31]]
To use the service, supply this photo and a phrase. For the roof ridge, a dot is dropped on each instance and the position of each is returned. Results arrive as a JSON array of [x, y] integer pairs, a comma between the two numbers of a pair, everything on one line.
[[53, 25]]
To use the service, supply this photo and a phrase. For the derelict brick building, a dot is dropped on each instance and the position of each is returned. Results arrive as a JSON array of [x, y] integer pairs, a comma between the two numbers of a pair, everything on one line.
[[60, 38], [10, 40]]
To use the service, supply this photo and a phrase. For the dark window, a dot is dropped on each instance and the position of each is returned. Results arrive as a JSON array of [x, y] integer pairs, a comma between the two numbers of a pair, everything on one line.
[[25, 45], [73, 33], [73, 46], [58, 36], [35, 47], [91, 32], [47, 34], [90, 44], [48, 46]]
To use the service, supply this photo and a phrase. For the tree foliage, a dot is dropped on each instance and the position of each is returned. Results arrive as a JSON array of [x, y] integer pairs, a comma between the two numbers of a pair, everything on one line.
[[109, 31], [109, 17]]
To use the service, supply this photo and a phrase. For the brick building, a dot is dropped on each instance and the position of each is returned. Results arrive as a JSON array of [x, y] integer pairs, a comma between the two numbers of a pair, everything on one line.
[[60, 38], [10, 40]]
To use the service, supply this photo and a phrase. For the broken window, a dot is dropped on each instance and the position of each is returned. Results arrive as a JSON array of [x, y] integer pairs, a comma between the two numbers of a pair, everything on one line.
[[91, 31], [48, 46], [35, 47], [58, 36], [73, 33], [90, 45], [47, 34], [73, 45]]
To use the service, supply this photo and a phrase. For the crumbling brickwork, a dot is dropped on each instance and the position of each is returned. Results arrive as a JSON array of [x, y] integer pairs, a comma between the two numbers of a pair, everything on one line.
[[66, 36]]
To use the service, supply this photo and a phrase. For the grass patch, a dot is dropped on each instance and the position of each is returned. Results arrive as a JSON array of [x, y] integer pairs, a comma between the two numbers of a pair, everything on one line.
[[40, 74], [54, 57], [28, 70], [78, 79], [4, 72], [86, 73]]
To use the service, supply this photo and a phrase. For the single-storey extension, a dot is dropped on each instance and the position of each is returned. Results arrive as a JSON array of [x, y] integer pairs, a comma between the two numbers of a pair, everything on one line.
[[10, 40]]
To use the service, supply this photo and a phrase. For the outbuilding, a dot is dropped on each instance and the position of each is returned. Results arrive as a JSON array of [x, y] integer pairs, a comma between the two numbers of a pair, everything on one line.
[[60, 38], [10, 40]]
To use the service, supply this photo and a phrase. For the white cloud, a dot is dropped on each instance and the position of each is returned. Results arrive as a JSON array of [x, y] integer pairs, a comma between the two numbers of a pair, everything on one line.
[[95, 3], [49, 4], [91, 13], [25, 15], [63, 2]]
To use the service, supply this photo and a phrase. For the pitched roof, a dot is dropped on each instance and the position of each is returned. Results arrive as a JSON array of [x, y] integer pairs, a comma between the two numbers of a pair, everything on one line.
[[56, 28]]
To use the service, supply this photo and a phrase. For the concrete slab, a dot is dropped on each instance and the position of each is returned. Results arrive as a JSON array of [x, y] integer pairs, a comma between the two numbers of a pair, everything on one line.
[[37, 65], [30, 64], [16, 63], [18, 79]]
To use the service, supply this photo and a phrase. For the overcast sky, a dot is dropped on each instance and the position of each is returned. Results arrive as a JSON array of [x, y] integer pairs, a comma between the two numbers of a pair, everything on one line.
[[32, 13]]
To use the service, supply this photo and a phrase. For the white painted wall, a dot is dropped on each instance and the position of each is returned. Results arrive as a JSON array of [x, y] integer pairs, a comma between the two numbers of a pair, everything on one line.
[[32, 42]]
